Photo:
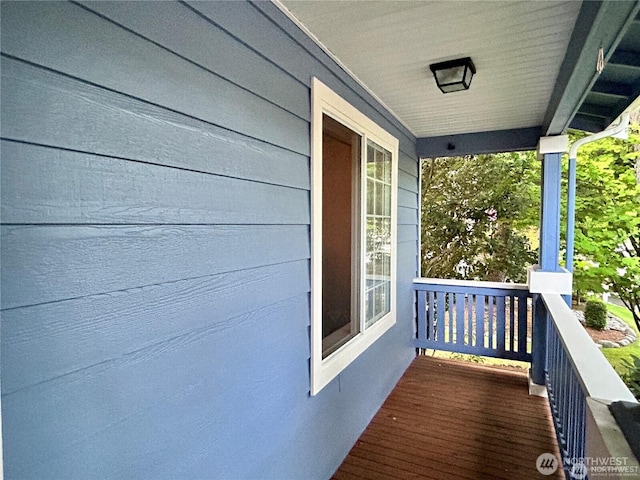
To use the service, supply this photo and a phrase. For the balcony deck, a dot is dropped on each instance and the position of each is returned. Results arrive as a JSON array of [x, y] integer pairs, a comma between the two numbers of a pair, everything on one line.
[[454, 420]]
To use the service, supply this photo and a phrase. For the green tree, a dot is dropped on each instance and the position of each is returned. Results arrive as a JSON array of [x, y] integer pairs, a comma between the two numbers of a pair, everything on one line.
[[607, 235], [475, 211]]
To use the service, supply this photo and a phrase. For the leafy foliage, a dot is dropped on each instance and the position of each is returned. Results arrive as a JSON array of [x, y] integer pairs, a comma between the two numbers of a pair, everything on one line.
[[595, 314], [632, 377], [477, 210], [474, 213], [607, 237]]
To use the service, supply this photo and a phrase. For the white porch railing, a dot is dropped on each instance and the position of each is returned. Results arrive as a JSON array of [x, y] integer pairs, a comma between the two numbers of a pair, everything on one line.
[[576, 372]]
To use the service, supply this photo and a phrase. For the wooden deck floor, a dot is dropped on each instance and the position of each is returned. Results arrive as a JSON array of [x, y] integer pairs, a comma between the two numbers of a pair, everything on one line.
[[453, 420]]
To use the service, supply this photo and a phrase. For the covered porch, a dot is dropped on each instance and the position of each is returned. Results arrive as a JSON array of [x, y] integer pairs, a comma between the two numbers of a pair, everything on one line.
[[548, 67], [452, 419], [158, 241]]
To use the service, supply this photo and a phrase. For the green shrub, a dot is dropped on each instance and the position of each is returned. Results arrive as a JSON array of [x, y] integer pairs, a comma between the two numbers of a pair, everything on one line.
[[595, 314], [632, 376]]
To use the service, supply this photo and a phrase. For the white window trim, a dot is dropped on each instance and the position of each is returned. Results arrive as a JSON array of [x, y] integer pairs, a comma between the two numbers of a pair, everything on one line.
[[326, 101]]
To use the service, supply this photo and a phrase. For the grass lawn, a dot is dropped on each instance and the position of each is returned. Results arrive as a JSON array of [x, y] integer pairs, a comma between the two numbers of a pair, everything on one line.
[[616, 355]]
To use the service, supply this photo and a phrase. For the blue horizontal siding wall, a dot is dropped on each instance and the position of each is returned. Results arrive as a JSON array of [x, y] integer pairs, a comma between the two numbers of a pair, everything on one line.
[[155, 246]]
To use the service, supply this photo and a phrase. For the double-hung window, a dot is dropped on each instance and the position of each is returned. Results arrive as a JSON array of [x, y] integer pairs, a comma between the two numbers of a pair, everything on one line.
[[353, 229]]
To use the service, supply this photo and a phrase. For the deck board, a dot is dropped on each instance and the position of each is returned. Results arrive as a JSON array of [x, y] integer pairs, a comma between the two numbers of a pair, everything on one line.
[[454, 420]]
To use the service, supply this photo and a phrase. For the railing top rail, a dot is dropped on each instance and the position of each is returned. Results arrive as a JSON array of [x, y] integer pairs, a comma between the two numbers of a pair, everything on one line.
[[596, 375], [470, 283]]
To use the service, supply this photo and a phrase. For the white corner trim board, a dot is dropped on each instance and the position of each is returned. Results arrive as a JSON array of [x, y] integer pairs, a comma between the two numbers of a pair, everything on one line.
[[540, 281], [553, 144]]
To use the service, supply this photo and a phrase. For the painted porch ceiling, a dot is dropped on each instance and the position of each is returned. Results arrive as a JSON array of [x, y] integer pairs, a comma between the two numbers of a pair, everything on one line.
[[517, 47]]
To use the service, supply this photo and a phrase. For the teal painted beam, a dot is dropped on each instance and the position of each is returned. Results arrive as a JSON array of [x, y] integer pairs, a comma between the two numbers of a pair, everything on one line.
[[479, 143], [594, 110], [599, 24], [626, 59], [589, 124], [613, 89]]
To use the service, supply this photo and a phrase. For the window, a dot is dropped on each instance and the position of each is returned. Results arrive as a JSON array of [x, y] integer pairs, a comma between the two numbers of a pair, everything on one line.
[[353, 229]]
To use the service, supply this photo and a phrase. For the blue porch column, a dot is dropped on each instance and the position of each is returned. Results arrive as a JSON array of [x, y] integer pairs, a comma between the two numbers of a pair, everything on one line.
[[548, 276], [549, 253]]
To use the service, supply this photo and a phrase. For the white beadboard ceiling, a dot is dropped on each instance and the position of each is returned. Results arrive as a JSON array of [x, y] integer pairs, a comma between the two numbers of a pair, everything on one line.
[[517, 47]]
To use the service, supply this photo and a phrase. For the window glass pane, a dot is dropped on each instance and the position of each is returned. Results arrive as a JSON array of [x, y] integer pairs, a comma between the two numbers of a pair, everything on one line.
[[370, 198], [371, 165], [387, 171], [380, 164], [385, 260], [378, 234], [386, 210]]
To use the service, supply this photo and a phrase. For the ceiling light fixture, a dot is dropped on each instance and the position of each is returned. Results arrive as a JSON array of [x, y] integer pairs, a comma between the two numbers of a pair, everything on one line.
[[453, 75]]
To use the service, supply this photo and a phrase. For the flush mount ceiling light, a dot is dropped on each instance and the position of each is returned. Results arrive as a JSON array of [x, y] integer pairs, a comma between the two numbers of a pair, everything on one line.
[[454, 75]]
